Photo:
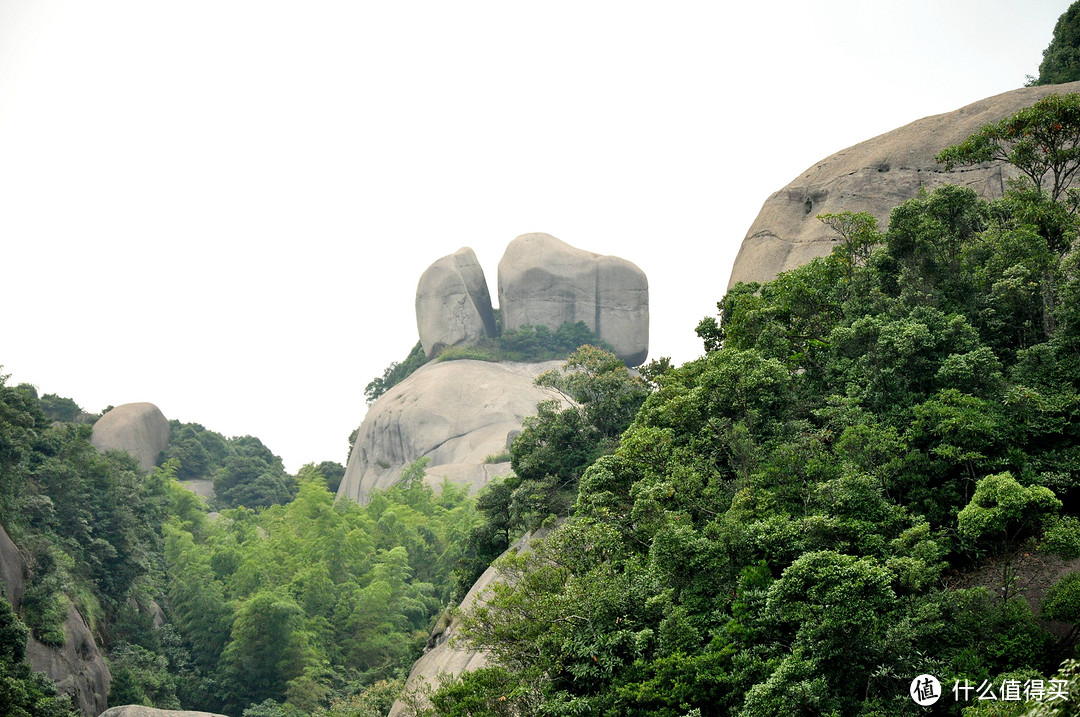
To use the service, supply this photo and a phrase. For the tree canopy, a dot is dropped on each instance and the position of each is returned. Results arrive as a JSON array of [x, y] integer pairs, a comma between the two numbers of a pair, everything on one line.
[[1061, 58], [784, 518], [1042, 141]]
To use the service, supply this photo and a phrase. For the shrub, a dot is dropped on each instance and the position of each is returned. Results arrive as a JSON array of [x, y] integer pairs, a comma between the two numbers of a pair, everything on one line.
[[1062, 536], [1002, 508], [1062, 601]]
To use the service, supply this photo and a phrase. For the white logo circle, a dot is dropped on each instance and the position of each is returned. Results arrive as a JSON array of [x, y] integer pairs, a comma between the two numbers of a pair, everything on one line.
[[925, 690]]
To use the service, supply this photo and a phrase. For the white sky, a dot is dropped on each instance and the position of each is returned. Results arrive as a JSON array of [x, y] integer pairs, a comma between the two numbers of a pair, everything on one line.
[[224, 207]]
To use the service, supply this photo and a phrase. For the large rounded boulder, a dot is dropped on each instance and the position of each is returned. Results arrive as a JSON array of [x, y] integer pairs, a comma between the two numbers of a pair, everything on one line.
[[453, 305], [457, 414], [544, 281], [874, 176], [138, 428]]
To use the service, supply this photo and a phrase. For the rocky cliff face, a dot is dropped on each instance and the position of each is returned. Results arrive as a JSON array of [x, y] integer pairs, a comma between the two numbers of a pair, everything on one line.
[[445, 656], [77, 667], [458, 414], [455, 413], [873, 176], [138, 428]]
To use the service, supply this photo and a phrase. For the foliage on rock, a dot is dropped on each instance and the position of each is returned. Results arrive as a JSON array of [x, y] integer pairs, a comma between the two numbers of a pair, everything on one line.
[[774, 526], [1061, 58]]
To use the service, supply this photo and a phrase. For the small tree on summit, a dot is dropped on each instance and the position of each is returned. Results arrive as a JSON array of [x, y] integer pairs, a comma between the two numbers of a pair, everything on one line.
[[1040, 140], [1061, 58]]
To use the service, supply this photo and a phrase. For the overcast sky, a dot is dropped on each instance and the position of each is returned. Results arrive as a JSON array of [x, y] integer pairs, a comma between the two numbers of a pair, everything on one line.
[[224, 207]]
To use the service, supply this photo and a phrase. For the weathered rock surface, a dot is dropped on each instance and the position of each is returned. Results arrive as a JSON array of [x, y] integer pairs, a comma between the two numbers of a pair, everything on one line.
[[453, 305], [544, 281], [202, 487], [140, 711], [444, 656], [873, 176], [474, 476], [456, 413], [12, 570], [77, 667], [138, 428]]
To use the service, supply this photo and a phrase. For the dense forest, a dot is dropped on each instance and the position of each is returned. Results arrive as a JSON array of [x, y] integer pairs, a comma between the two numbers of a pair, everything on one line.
[[273, 610], [802, 520], [872, 473]]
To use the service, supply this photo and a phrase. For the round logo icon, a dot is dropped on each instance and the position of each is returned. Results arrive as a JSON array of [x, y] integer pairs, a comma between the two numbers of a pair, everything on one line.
[[925, 690]]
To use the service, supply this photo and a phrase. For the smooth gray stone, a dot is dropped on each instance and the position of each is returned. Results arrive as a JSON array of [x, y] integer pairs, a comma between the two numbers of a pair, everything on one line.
[[453, 305], [544, 281], [455, 413], [874, 176], [138, 428]]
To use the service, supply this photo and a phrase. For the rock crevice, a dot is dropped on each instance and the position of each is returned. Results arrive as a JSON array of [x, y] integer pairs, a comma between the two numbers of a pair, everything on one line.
[[453, 305], [544, 281]]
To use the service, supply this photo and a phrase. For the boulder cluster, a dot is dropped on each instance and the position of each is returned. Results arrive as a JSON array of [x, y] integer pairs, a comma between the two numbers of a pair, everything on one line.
[[542, 282], [462, 415]]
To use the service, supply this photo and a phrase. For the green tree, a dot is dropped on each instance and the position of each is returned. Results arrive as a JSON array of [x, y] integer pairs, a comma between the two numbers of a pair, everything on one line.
[[1061, 58], [343, 595], [252, 476], [332, 472], [21, 420], [141, 677], [374, 701], [23, 692], [487, 692], [394, 374], [858, 236], [58, 408], [1001, 508], [198, 598], [268, 648], [1040, 140], [598, 398], [1062, 601]]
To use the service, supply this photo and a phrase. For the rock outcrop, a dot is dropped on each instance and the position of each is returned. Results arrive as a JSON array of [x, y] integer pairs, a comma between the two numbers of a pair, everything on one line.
[[544, 281], [455, 413], [77, 667], [453, 305], [445, 656], [138, 428], [140, 711], [873, 176], [12, 570]]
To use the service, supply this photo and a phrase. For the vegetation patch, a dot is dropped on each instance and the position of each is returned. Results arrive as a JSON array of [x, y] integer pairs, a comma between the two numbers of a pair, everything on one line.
[[526, 344], [791, 514]]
